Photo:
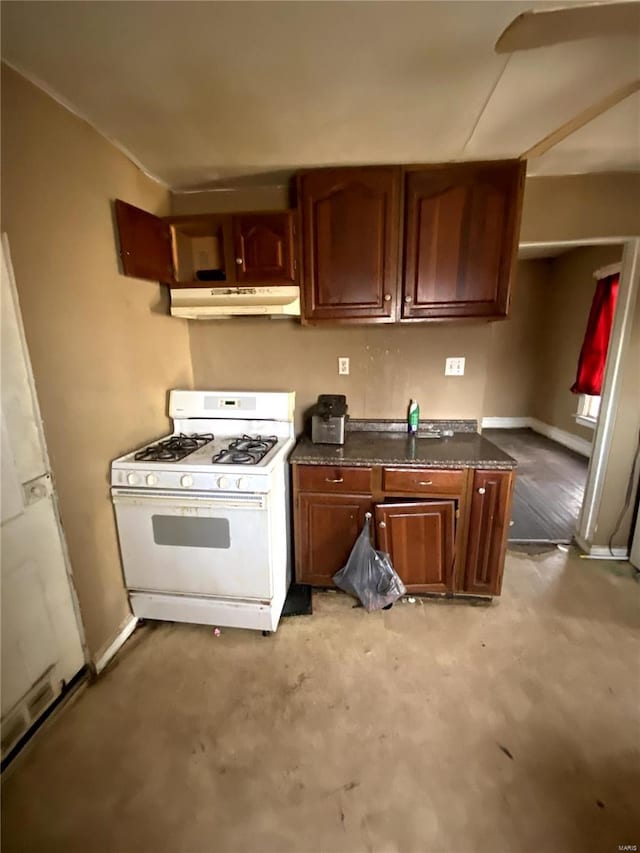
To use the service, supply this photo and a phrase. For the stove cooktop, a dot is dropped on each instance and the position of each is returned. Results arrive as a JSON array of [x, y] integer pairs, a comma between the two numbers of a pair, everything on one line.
[[204, 449]]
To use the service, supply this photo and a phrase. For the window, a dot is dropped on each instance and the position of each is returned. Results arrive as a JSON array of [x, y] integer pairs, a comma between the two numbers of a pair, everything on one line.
[[588, 409]]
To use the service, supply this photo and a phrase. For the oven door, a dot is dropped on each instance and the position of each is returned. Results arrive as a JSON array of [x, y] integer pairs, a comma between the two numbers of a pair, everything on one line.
[[195, 543]]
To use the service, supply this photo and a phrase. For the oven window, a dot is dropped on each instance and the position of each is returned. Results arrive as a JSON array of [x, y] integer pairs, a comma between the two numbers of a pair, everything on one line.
[[191, 532]]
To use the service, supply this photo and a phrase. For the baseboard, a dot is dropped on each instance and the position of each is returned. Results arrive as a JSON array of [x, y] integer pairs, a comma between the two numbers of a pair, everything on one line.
[[107, 653], [505, 423], [601, 552], [573, 442], [567, 439]]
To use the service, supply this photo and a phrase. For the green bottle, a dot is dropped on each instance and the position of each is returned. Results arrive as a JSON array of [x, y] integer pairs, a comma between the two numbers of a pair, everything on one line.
[[413, 418]]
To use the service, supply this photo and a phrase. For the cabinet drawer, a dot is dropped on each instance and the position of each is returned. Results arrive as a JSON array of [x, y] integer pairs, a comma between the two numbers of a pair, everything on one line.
[[423, 480], [325, 478]]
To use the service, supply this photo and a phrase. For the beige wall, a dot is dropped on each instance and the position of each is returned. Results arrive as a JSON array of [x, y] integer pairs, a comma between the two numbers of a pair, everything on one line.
[[567, 296], [104, 351], [514, 346], [232, 201], [581, 207], [388, 365]]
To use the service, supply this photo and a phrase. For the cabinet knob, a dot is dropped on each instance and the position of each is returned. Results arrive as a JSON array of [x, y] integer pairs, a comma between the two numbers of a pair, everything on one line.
[[481, 490], [382, 524], [387, 297], [408, 299], [238, 260]]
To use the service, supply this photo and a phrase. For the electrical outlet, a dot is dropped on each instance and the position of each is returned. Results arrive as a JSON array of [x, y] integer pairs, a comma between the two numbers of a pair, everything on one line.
[[454, 367], [343, 366]]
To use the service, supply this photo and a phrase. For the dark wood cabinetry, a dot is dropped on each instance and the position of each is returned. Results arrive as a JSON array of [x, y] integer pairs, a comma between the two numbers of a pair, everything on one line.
[[264, 248], [207, 250], [488, 528], [145, 244], [419, 539], [458, 238], [328, 526], [350, 229], [445, 530], [461, 233]]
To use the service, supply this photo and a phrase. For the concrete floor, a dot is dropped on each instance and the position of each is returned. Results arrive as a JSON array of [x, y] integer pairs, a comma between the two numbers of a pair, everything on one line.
[[430, 727]]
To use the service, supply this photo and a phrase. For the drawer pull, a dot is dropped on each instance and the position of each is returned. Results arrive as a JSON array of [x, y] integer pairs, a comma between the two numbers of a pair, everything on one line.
[[425, 482], [481, 490], [329, 480]]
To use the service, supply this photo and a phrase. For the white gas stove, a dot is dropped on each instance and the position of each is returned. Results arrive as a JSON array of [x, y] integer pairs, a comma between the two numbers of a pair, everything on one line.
[[203, 514]]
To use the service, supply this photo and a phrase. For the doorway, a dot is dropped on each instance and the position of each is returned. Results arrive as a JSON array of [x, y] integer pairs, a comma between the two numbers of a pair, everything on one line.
[[561, 441]]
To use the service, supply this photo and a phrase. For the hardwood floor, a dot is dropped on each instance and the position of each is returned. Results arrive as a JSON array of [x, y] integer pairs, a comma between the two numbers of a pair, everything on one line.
[[549, 488]]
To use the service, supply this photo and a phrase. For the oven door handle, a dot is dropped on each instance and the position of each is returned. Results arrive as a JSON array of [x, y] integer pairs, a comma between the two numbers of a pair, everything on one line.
[[180, 499]]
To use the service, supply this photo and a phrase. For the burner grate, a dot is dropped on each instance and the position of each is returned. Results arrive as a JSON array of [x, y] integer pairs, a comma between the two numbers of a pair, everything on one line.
[[173, 449], [246, 450]]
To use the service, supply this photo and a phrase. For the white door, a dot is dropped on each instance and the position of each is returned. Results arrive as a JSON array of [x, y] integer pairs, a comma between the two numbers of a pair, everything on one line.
[[42, 646]]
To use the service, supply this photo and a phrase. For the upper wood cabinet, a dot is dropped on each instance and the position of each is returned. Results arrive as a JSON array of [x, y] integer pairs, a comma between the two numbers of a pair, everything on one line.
[[264, 248], [461, 236], [145, 243], [350, 227], [207, 250]]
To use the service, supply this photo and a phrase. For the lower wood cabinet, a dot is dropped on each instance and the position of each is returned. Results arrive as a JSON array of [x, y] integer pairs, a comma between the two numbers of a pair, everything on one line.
[[419, 538], [326, 528], [448, 537], [488, 528]]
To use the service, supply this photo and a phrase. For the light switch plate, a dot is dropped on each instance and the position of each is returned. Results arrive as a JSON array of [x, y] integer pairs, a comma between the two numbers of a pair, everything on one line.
[[343, 366], [454, 367]]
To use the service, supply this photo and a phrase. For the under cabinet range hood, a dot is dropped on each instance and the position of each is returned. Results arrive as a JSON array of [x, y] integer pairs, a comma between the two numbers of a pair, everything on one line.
[[203, 303]]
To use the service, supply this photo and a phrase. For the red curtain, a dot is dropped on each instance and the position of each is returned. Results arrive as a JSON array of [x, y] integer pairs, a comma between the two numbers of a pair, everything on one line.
[[596, 340]]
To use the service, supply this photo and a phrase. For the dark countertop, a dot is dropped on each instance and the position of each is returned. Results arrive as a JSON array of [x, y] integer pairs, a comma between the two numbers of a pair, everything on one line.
[[462, 450]]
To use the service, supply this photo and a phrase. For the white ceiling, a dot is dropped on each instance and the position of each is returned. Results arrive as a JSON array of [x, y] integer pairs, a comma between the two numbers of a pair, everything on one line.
[[201, 93]]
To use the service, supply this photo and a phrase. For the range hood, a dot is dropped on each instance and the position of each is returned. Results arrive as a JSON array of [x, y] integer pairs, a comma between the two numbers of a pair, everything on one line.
[[203, 303]]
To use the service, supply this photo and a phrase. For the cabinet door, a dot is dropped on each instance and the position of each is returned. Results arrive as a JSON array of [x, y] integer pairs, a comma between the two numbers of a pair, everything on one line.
[[145, 243], [350, 235], [326, 529], [419, 538], [488, 528], [461, 238], [264, 248]]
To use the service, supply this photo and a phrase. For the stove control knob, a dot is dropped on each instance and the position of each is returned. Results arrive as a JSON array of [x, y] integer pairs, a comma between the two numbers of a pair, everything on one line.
[[223, 482], [151, 479], [133, 479], [243, 483], [186, 481]]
